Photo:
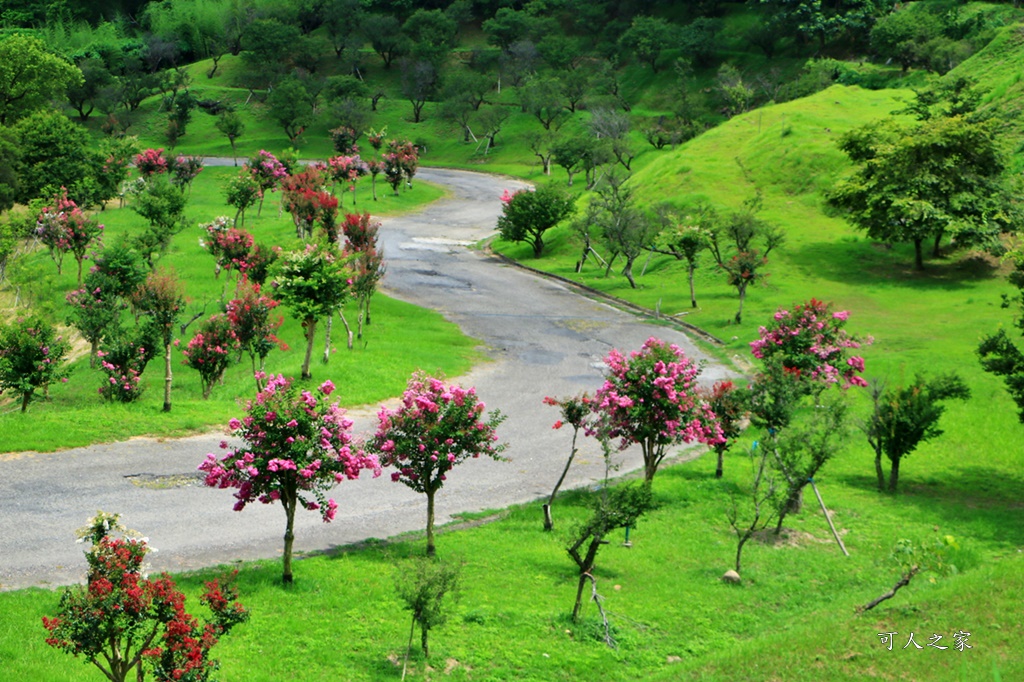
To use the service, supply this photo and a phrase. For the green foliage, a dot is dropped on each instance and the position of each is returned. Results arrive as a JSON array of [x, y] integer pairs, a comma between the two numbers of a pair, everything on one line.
[[422, 585], [30, 77], [527, 215], [648, 37], [906, 416], [31, 357], [55, 153], [163, 206]]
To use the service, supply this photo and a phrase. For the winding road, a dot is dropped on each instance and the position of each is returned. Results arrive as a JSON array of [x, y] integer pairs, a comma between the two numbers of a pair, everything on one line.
[[543, 339]]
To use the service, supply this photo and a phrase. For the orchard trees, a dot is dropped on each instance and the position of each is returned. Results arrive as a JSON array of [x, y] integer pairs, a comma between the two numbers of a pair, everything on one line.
[[297, 446]]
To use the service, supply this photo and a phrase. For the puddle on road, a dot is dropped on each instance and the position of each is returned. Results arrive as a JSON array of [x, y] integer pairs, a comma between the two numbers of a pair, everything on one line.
[[165, 481]]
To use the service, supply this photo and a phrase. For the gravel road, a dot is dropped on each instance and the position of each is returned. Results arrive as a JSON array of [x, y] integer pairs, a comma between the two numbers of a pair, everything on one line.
[[542, 338]]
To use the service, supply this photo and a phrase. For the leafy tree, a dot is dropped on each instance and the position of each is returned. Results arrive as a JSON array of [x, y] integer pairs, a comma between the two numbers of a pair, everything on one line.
[[210, 351], [94, 310], [253, 325], [122, 620], [684, 240], [614, 508], [124, 355], [55, 153], [288, 107], [903, 36], [569, 152], [63, 228], [527, 215], [906, 416], [507, 27], [161, 297], [270, 46], [10, 157], [420, 83], [163, 206], [401, 161], [651, 399], [313, 283], [83, 94], [625, 228], [437, 427], [925, 181], [268, 172], [384, 33], [242, 192], [422, 589], [296, 448], [433, 35], [542, 98], [740, 243], [613, 126], [648, 37], [729, 403], [123, 268], [913, 558], [31, 357], [30, 77]]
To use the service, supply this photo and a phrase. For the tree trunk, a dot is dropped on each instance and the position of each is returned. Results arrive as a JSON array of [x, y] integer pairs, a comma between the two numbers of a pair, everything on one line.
[[650, 462], [431, 549], [289, 536], [579, 597], [891, 593], [743, 296], [327, 339], [894, 474], [167, 377], [718, 469], [94, 346], [627, 272], [25, 398], [878, 470], [739, 546], [693, 295], [937, 247], [423, 641], [548, 524], [310, 325], [918, 259], [538, 245]]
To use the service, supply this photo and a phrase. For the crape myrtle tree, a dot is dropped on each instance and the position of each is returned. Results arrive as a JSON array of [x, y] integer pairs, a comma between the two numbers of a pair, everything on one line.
[[211, 351], [254, 324], [31, 357], [297, 446], [729, 403], [437, 427], [651, 399], [803, 351], [162, 298], [526, 215], [422, 585], [123, 621], [906, 416], [94, 311], [62, 228], [313, 283]]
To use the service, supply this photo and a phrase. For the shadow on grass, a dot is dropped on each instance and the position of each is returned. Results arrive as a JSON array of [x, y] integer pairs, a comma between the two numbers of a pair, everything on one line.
[[868, 263], [978, 501]]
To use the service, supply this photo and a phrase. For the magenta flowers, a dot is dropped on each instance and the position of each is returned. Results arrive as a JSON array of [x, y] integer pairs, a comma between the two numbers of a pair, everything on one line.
[[438, 426], [297, 447], [651, 399]]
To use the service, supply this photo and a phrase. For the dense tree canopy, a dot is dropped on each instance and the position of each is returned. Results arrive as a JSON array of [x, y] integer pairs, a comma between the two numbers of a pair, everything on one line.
[[30, 77]]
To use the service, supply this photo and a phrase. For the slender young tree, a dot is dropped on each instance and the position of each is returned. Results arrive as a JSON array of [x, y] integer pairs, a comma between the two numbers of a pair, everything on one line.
[[162, 298]]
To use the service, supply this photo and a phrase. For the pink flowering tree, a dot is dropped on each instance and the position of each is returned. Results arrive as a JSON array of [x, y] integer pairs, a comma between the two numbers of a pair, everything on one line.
[[268, 172], [151, 162], [297, 447], [122, 621], [184, 170], [94, 310], [254, 325], [401, 162], [576, 412], [374, 167], [32, 356], [210, 351], [729, 403], [437, 427], [230, 246], [63, 228], [651, 398], [347, 170], [811, 343]]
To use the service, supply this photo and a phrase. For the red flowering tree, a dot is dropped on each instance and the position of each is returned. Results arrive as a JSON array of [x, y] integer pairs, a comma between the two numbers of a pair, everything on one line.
[[151, 162], [209, 351], [729, 403], [303, 196], [437, 427], [652, 399], [253, 324], [63, 228], [230, 246], [121, 620], [576, 412], [400, 163], [297, 447]]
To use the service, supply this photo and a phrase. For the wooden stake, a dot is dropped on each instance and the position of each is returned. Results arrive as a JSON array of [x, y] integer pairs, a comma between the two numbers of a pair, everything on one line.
[[827, 518]]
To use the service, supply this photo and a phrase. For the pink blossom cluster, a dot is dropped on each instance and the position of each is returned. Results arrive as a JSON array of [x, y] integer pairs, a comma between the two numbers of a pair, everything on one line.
[[209, 351], [267, 170], [122, 382], [346, 168], [63, 228], [151, 162], [437, 426], [185, 169], [652, 398], [231, 246], [297, 446], [810, 341]]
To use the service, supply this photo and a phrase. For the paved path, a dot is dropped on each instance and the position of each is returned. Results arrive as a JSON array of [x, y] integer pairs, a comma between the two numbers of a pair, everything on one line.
[[543, 338]]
